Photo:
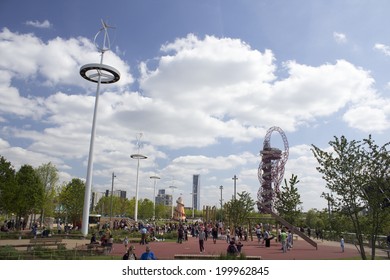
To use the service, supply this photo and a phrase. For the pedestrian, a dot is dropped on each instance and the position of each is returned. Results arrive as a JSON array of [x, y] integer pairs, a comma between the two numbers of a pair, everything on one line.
[[342, 244], [258, 234], [232, 249], [148, 254], [143, 236], [214, 233], [180, 235], [239, 246], [131, 253], [228, 235], [126, 242], [289, 240], [283, 240], [201, 238], [110, 243], [267, 239]]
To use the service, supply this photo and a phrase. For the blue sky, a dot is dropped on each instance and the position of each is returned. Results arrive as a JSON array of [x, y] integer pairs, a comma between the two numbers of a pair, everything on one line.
[[201, 80]]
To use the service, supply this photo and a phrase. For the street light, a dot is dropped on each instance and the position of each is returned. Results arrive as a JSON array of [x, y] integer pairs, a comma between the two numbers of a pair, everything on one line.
[[154, 177], [101, 74], [173, 190], [137, 157], [112, 191], [235, 185]]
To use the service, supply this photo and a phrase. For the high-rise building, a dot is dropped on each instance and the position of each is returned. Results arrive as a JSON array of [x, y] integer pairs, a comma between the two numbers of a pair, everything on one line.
[[196, 191], [116, 193], [164, 199]]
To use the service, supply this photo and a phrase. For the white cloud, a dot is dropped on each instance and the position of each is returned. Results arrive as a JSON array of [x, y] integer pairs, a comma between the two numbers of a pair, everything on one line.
[[340, 38], [38, 24], [56, 62], [201, 94], [382, 48]]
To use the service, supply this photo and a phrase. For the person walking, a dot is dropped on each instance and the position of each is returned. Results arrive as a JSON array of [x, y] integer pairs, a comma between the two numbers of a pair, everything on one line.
[[228, 235], [126, 242], [258, 234], [214, 233], [342, 244], [201, 238], [283, 240], [289, 240]]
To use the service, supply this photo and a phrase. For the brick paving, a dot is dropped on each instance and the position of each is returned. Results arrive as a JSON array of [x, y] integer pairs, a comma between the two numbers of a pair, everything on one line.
[[327, 250], [300, 251]]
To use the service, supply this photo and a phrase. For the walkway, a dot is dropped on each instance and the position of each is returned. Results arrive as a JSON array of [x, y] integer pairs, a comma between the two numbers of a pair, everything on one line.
[[327, 250], [301, 250]]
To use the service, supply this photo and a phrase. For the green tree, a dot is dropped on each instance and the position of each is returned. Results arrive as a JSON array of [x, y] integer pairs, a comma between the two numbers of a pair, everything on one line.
[[48, 175], [7, 185], [72, 200], [312, 218], [238, 210], [29, 193], [163, 211], [145, 209], [357, 173], [289, 200]]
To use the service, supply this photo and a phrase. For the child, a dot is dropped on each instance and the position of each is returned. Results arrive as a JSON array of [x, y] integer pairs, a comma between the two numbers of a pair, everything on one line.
[[342, 244], [126, 243]]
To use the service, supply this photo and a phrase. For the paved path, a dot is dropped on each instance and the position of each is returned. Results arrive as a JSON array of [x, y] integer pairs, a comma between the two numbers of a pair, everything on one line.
[[301, 250], [166, 250]]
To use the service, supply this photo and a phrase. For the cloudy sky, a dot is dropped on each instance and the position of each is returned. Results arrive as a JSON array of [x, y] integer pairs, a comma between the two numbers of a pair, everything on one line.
[[201, 80]]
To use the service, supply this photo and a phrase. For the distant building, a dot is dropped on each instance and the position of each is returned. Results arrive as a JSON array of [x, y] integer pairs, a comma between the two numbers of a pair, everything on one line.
[[96, 196], [196, 191], [116, 193], [163, 198]]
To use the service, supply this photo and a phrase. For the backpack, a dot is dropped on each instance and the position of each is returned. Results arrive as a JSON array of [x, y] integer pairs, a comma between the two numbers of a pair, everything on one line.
[[125, 256], [232, 249]]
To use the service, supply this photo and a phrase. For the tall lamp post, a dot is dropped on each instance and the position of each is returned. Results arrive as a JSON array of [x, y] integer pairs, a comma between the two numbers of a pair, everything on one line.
[[137, 157], [101, 74], [154, 177], [112, 191], [235, 186], [221, 188], [173, 190]]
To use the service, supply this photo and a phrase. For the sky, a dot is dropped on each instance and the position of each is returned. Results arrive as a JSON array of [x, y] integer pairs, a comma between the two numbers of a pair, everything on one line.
[[200, 84]]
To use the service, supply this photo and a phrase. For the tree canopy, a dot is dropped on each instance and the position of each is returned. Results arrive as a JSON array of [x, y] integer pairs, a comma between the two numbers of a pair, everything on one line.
[[357, 173]]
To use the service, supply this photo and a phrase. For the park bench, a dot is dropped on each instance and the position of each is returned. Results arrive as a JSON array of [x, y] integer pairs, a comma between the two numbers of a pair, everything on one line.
[[206, 257], [39, 242], [45, 242]]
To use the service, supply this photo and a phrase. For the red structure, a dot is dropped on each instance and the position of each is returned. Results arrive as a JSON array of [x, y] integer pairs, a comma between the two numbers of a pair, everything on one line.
[[271, 170]]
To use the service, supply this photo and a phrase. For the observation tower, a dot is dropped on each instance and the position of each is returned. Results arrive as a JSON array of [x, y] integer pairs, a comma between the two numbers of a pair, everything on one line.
[[271, 170]]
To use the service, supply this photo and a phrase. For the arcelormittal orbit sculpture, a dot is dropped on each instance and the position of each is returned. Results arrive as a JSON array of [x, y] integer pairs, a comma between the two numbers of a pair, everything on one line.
[[271, 170]]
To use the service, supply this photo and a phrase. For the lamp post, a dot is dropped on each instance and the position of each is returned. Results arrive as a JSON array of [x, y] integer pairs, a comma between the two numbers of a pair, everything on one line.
[[101, 74], [235, 186], [112, 191], [154, 177], [137, 157], [221, 188], [173, 190]]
